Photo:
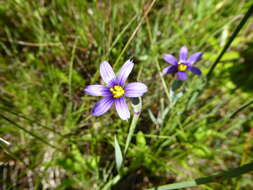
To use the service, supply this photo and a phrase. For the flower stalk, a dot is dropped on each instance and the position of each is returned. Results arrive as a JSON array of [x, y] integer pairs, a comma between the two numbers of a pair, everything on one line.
[[137, 105]]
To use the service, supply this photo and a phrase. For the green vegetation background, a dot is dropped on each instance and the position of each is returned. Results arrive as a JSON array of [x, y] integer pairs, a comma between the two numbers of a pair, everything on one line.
[[50, 50]]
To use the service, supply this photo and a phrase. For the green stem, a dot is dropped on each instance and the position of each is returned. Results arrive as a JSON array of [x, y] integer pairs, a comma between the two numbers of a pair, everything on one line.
[[234, 34], [137, 105], [111, 182], [131, 131], [163, 81]]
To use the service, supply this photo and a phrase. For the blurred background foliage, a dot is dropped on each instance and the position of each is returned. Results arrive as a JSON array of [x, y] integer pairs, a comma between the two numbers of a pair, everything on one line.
[[50, 50]]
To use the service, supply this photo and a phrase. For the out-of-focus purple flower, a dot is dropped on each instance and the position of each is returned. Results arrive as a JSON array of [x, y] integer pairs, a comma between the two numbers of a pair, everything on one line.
[[115, 90], [183, 64]]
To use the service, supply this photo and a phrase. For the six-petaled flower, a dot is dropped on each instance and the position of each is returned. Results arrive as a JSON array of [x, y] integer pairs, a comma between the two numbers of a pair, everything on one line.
[[115, 90], [183, 64]]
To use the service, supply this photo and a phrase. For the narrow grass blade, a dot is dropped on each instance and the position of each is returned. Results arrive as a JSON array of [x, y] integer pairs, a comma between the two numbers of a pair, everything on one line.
[[118, 154], [121, 33], [215, 178], [71, 69], [11, 154], [30, 133], [145, 14], [31, 120], [234, 34], [241, 108], [163, 81]]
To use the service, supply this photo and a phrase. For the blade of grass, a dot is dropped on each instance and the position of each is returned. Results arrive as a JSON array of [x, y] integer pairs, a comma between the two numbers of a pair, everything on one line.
[[71, 69], [121, 34], [11, 154], [134, 33], [163, 81], [215, 178], [30, 133], [31, 120], [241, 108], [234, 34]]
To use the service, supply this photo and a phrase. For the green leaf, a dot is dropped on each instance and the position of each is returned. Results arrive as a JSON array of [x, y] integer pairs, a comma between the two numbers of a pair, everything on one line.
[[140, 139], [118, 154], [230, 56]]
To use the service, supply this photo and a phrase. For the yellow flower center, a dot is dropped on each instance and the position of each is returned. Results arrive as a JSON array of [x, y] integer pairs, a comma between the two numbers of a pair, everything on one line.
[[117, 91], [182, 67]]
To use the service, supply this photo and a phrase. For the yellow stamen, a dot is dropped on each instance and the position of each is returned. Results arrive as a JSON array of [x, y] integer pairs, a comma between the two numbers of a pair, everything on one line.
[[182, 67], [117, 91]]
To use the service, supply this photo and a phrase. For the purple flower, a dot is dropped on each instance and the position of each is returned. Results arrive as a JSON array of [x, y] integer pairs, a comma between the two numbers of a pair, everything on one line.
[[183, 64], [115, 90]]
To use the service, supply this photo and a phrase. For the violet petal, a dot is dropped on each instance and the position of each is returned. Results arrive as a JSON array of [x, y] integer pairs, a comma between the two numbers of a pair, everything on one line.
[[170, 69], [135, 89], [194, 58], [183, 54], [102, 106], [182, 75], [170, 59], [122, 108], [195, 70], [107, 73], [124, 72], [97, 90]]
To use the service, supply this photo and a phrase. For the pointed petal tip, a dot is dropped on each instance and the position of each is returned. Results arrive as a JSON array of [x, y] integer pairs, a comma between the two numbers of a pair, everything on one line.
[[102, 106], [107, 72], [135, 89], [125, 72], [195, 70], [170, 59], [183, 53], [195, 57]]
